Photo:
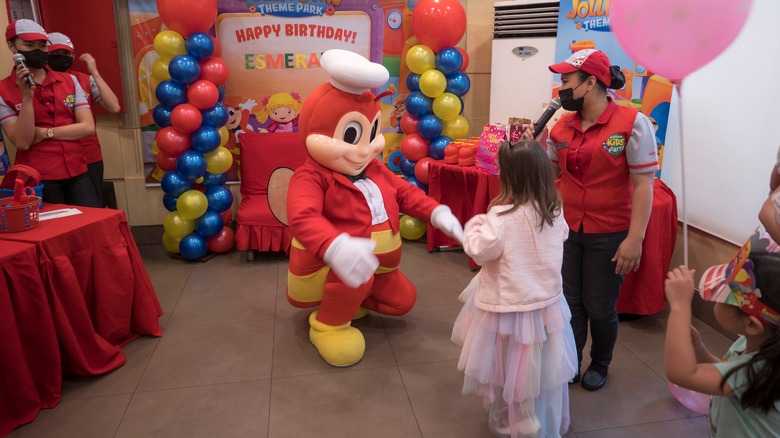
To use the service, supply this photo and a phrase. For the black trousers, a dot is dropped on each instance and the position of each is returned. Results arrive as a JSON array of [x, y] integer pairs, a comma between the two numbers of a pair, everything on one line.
[[95, 172], [77, 190]]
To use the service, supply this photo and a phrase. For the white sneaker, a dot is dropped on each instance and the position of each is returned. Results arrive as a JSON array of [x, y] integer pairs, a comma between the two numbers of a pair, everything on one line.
[[498, 422]]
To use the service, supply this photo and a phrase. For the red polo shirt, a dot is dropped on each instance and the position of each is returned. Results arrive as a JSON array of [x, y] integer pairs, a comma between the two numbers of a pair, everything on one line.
[[595, 180], [55, 103], [91, 144]]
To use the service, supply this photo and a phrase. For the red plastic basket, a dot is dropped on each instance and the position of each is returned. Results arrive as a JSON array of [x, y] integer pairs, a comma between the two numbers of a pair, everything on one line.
[[19, 216]]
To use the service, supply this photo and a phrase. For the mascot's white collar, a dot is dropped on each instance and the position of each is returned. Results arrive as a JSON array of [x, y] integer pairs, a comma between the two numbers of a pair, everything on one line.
[[352, 73]]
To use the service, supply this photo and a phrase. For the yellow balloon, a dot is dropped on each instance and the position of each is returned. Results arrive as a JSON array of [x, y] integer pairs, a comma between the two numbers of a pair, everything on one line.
[[170, 244], [155, 148], [199, 180], [218, 161], [420, 59], [433, 83], [169, 44], [456, 128], [192, 204], [224, 135], [160, 69], [177, 226], [411, 228], [447, 106]]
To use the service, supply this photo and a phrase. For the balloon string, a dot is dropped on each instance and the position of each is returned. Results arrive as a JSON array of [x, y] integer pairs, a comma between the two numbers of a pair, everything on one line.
[[678, 87]]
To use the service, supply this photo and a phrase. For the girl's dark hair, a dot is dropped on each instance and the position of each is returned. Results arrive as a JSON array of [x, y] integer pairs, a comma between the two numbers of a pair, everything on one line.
[[618, 78], [526, 175], [763, 369]]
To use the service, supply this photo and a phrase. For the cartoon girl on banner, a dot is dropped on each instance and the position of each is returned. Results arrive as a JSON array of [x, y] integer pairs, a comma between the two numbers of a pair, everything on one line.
[[282, 109]]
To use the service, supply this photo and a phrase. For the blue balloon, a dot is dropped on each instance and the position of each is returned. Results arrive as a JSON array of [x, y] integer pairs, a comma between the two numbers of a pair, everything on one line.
[[220, 198], [215, 116], [429, 126], [418, 104], [458, 83], [193, 246], [214, 179], [171, 93], [174, 184], [221, 90], [169, 201], [415, 182], [436, 147], [191, 164], [413, 82], [210, 224], [205, 139], [449, 60], [161, 116], [199, 45], [407, 167], [184, 68]]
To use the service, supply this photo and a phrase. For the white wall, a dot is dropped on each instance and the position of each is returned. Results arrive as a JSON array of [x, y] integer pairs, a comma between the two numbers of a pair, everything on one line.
[[731, 128]]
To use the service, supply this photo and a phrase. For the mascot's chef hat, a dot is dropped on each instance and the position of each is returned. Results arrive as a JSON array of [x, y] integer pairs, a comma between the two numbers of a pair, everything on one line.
[[351, 77]]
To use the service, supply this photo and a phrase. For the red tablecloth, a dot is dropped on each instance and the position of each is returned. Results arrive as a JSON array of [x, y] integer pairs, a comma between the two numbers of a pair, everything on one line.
[[98, 297], [468, 191]]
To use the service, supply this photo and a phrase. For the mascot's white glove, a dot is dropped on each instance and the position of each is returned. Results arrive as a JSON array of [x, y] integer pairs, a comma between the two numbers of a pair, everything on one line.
[[248, 105], [352, 259], [443, 219]]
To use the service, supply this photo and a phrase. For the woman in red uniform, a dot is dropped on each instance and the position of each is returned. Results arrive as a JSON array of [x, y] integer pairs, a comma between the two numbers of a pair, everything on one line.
[[61, 56], [606, 157], [46, 123]]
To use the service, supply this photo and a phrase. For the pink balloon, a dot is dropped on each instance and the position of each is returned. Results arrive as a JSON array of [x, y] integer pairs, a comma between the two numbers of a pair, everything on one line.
[[674, 38], [695, 401]]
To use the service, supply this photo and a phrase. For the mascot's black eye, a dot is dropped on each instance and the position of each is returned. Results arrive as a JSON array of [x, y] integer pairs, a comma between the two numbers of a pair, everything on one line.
[[374, 130], [352, 132]]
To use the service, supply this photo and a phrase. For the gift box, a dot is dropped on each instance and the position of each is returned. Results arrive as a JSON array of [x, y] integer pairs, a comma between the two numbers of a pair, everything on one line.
[[493, 134]]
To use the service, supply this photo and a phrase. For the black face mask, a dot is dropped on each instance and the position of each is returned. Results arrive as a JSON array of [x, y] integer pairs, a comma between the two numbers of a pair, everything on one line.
[[34, 58], [567, 99], [60, 62]]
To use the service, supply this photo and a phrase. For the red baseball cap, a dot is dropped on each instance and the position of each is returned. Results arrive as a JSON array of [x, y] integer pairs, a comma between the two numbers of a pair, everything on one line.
[[25, 29], [59, 41], [591, 61]]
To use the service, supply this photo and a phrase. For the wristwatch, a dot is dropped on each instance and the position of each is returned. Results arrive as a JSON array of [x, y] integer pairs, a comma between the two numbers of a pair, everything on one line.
[[49, 133]]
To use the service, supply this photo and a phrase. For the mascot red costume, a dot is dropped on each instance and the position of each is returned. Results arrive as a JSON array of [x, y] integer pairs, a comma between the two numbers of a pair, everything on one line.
[[343, 207]]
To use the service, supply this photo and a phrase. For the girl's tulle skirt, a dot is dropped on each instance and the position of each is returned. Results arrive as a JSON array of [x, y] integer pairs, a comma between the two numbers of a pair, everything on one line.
[[520, 363]]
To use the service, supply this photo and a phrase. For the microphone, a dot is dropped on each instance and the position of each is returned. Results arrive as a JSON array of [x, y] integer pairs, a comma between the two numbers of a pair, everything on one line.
[[19, 60], [554, 105]]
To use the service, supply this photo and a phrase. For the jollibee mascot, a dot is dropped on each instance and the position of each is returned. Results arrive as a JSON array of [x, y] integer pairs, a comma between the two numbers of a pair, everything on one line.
[[343, 207]]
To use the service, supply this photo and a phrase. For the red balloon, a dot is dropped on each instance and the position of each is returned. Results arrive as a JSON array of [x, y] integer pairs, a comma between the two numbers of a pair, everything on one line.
[[421, 169], [227, 216], [465, 56], [217, 48], [186, 118], [214, 70], [165, 162], [409, 123], [414, 147], [187, 16], [223, 241], [203, 94], [439, 23], [199, 188], [172, 142]]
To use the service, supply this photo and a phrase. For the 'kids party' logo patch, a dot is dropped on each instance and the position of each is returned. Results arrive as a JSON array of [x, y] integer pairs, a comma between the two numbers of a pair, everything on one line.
[[615, 144], [589, 14]]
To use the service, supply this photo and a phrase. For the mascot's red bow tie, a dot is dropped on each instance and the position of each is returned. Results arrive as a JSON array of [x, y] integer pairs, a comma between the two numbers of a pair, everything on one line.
[[361, 175]]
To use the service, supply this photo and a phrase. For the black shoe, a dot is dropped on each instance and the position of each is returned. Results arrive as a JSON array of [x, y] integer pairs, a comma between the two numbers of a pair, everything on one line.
[[592, 380], [575, 379]]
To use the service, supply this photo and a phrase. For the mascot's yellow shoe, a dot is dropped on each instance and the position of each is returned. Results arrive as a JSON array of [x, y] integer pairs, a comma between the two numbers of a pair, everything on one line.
[[339, 345], [362, 312]]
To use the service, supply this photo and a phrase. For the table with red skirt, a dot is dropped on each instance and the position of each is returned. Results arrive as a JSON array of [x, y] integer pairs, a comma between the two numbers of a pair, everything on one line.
[[468, 191], [73, 291]]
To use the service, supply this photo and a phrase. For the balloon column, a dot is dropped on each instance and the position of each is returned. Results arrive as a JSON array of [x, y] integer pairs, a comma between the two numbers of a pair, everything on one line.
[[192, 120], [437, 83]]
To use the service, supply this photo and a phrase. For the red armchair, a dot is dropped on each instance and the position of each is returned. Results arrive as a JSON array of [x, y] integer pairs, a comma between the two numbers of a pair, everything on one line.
[[268, 160]]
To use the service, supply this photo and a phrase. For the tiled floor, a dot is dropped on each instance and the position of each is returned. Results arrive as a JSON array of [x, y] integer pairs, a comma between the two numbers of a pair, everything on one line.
[[235, 361]]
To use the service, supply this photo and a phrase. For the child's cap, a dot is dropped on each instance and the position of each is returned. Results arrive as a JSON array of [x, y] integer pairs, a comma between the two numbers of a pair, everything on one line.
[[60, 41], [735, 282], [25, 29]]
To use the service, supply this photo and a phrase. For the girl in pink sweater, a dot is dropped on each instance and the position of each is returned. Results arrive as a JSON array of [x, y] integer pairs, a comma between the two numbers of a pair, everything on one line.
[[518, 347]]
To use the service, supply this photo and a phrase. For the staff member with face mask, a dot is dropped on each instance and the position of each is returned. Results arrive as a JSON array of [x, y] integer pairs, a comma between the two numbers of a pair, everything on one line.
[[61, 56], [46, 123], [606, 158]]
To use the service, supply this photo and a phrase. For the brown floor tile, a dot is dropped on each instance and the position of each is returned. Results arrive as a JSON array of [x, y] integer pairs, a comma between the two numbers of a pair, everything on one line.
[[168, 293], [226, 410], [216, 303], [423, 335], [688, 427], [121, 381], [459, 266], [294, 354], [96, 417], [209, 354], [356, 403], [233, 266]]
